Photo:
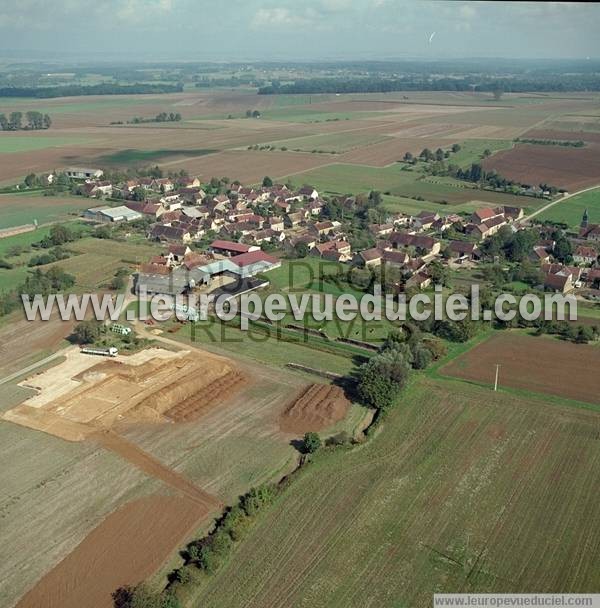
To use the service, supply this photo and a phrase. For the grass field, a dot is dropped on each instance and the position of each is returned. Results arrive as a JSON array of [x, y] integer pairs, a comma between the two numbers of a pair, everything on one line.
[[20, 143], [95, 264], [571, 211], [141, 157], [303, 114], [344, 179], [18, 209], [331, 142], [472, 150], [461, 490]]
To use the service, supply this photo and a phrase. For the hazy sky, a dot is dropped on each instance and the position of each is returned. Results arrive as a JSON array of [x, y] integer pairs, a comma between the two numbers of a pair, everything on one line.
[[301, 29]]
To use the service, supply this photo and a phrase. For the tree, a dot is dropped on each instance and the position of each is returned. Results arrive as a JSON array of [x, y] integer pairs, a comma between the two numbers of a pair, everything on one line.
[[117, 283], [422, 357], [497, 92], [15, 121], [87, 332], [248, 113], [439, 154], [60, 234], [30, 180], [456, 148], [256, 114], [47, 121], [311, 442], [267, 182], [563, 250], [476, 172], [381, 379], [4, 122], [408, 157], [426, 155], [301, 250]]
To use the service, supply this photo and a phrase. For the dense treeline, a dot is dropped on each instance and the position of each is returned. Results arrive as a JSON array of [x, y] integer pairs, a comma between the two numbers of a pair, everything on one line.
[[35, 121], [160, 117], [546, 83], [74, 90], [567, 143]]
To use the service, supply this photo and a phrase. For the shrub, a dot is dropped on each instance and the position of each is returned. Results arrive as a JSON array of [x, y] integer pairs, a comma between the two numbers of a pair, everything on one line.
[[311, 442], [422, 358], [257, 498]]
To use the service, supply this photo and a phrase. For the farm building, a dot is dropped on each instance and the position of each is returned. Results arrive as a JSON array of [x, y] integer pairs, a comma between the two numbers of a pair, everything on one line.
[[229, 248], [254, 262], [175, 283], [83, 173], [112, 214]]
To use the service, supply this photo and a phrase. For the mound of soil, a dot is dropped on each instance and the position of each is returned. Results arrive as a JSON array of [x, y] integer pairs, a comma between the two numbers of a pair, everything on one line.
[[317, 407], [216, 392]]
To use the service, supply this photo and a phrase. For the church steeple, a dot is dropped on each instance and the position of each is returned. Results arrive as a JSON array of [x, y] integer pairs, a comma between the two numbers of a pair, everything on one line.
[[585, 219]]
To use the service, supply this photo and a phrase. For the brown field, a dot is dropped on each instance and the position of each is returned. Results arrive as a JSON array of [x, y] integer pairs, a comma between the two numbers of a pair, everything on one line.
[[127, 547], [315, 408], [81, 395], [435, 118], [250, 166], [570, 168], [391, 151], [206, 460], [543, 364], [563, 135], [43, 337]]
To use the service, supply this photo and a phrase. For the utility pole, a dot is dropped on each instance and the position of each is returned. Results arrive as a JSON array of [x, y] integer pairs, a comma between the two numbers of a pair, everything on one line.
[[496, 381]]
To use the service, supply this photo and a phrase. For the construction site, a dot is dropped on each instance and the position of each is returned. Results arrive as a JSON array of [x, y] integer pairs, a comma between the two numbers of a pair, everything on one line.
[[85, 394]]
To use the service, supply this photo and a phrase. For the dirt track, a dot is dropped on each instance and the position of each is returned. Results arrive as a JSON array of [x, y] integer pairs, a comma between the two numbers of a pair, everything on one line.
[[151, 466]]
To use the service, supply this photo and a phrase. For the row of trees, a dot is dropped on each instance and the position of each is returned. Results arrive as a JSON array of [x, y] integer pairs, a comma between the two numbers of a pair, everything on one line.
[[78, 90], [495, 86], [160, 117], [34, 121]]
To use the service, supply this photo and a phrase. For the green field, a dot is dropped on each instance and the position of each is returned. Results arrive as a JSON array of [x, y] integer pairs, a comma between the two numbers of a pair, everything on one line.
[[330, 142], [22, 240], [27, 143], [132, 157], [462, 490], [571, 211], [346, 179], [296, 113], [19, 209], [52, 107], [96, 261], [472, 150], [257, 346], [402, 204]]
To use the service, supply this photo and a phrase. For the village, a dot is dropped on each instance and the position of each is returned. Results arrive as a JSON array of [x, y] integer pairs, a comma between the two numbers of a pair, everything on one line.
[[211, 239]]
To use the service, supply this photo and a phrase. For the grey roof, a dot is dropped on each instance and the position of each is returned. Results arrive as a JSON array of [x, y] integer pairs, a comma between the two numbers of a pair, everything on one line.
[[220, 266], [120, 212], [171, 284]]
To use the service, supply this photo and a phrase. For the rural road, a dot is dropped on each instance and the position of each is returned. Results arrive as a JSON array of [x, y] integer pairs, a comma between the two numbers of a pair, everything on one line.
[[552, 203]]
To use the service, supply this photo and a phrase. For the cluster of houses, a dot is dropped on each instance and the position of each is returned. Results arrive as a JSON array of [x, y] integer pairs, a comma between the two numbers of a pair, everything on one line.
[[248, 220]]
